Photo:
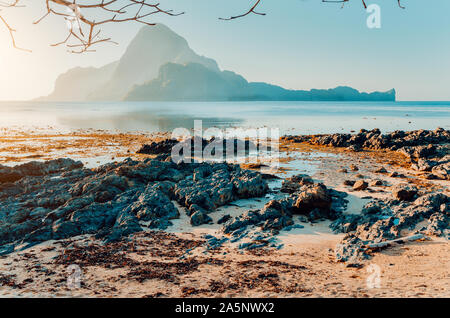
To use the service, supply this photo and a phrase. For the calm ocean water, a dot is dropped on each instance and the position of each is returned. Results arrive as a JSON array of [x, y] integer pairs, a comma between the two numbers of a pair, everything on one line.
[[289, 117]]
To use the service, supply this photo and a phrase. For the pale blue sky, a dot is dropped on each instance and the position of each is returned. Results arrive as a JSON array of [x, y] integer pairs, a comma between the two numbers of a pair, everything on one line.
[[300, 44]]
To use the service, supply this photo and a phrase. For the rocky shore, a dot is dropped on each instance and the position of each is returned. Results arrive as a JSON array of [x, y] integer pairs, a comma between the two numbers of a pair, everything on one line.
[[427, 151], [60, 199], [121, 202]]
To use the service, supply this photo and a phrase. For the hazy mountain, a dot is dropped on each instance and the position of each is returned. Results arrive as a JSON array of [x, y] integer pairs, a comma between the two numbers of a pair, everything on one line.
[[195, 82], [159, 65], [78, 83], [151, 48]]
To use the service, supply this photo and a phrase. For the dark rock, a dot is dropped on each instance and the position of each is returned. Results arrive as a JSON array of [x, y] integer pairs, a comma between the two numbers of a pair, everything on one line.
[[442, 171], [59, 199], [381, 170], [404, 193], [224, 219], [292, 184], [156, 148], [311, 197], [375, 183], [154, 204], [423, 165], [349, 183], [35, 168], [199, 218], [360, 185]]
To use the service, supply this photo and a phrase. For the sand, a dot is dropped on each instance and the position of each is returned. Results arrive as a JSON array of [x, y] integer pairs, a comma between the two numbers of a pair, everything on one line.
[[176, 264], [304, 268]]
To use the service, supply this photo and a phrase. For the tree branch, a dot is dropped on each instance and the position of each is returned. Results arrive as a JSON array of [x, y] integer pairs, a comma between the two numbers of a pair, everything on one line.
[[83, 30]]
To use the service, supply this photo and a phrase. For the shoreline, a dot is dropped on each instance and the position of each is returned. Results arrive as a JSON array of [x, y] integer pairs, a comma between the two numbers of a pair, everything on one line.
[[311, 245]]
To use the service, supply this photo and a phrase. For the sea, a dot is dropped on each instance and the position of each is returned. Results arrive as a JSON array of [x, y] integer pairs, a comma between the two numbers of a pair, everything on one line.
[[290, 117]]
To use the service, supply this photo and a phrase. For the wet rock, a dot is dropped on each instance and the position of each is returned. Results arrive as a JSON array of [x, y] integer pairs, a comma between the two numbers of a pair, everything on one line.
[[404, 193], [360, 185], [293, 227], [199, 218], [160, 147], [294, 183], [6, 249], [224, 219]]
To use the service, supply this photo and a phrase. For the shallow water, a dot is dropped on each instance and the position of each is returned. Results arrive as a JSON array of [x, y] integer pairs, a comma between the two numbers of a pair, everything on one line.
[[289, 117]]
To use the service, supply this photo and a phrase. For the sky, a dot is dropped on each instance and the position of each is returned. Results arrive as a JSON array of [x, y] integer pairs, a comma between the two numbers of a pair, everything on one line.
[[299, 44]]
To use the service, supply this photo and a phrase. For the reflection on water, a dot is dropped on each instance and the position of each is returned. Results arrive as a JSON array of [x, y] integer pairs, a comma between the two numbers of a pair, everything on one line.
[[144, 121], [290, 117]]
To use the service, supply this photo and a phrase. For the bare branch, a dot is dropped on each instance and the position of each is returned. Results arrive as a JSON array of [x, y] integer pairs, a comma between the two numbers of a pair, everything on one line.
[[252, 10], [83, 30]]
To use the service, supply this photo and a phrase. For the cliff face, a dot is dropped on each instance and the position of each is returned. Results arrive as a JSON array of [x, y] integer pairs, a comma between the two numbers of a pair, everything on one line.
[[159, 65], [195, 82]]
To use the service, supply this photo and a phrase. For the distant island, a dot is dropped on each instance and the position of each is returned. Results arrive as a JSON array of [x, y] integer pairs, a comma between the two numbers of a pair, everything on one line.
[[159, 65]]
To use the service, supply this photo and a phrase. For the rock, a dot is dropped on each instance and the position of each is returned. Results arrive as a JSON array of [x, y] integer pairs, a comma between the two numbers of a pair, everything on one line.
[[153, 204], [310, 198], [439, 225], [375, 183], [381, 170], [345, 223], [199, 218], [224, 219], [360, 185], [354, 167], [423, 165], [350, 251], [125, 225], [35, 168], [349, 183], [226, 183], [292, 227], [292, 184], [155, 148], [355, 148], [404, 193], [342, 170], [6, 249], [442, 171], [59, 199]]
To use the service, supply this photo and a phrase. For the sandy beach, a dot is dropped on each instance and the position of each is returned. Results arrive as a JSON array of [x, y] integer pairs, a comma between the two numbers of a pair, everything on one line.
[[179, 262]]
